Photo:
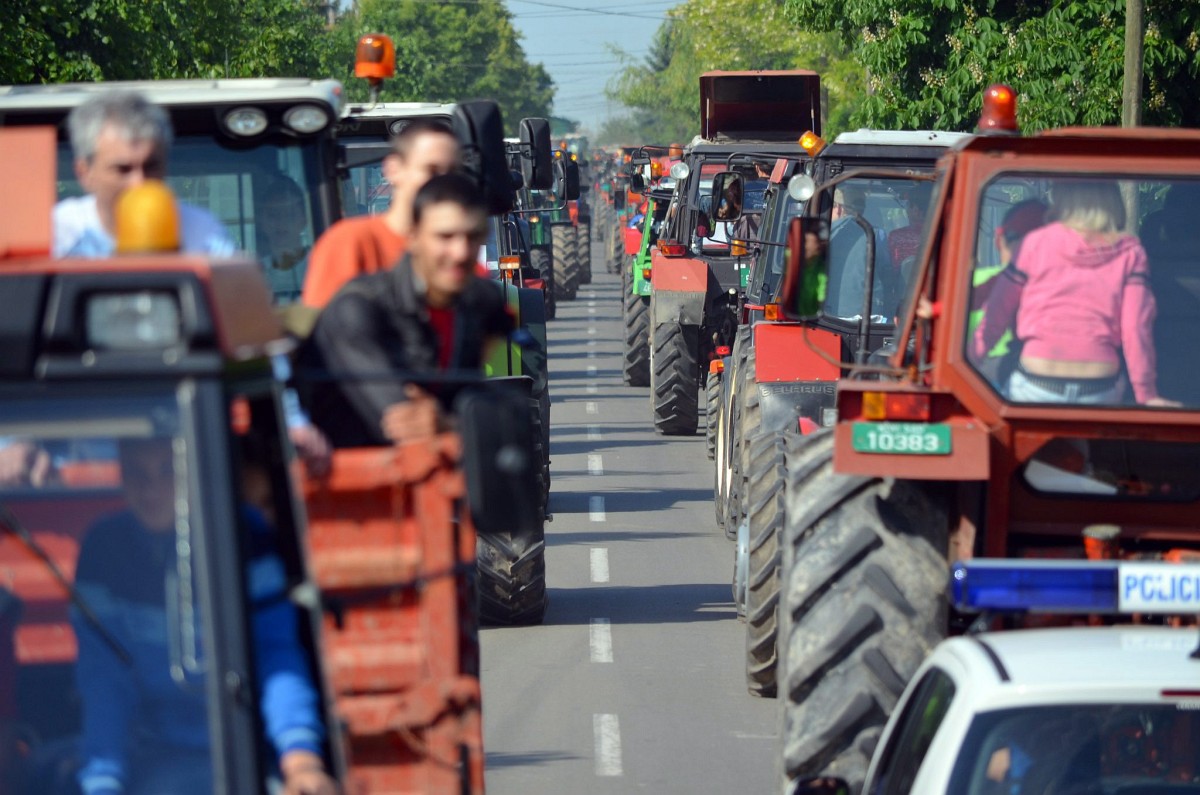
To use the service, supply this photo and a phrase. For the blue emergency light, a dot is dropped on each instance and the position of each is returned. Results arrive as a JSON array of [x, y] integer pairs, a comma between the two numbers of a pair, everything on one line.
[[1075, 586]]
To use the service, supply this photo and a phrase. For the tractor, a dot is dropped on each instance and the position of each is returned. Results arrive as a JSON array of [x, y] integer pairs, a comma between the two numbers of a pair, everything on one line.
[[696, 277], [994, 425], [776, 377]]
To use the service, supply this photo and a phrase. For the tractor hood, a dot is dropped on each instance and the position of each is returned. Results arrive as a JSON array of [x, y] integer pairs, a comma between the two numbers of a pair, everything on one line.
[[759, 106]]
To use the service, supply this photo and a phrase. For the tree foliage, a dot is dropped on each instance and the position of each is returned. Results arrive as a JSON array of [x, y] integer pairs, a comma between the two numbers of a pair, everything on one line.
[[704, 35], [928, 61], [446, 51], [84, 40]]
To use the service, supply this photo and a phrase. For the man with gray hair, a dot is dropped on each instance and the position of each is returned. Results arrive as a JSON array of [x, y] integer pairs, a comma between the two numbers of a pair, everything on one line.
[[119, 140]]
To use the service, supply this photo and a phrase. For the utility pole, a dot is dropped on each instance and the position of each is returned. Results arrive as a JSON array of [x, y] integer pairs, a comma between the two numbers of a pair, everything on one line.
[[1131, 94]]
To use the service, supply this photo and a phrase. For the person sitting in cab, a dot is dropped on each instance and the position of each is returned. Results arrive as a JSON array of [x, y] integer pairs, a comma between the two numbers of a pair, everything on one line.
[[145, 723]]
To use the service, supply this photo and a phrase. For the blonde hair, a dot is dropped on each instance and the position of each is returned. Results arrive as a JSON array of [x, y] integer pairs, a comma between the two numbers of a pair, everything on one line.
[[1089, 205]]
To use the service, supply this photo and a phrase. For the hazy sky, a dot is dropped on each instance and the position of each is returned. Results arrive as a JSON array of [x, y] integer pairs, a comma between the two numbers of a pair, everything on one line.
[[572, 37]]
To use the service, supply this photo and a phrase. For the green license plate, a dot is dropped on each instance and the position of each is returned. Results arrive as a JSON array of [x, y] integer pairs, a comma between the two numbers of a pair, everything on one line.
[[902, 438]]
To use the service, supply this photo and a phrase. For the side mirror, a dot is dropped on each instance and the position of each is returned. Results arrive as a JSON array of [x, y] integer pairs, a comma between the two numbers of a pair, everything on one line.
[[727, 195], [566, 174], [637, 182], [535, 154], [480, 131], [806, 273]]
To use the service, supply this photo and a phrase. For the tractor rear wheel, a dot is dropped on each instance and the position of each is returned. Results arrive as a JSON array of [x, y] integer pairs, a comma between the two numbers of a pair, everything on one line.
[[562, 242], [712, 407], [583, 240], [543, 262], [636, 363], [675, 379], [765, 505], [862, 602]]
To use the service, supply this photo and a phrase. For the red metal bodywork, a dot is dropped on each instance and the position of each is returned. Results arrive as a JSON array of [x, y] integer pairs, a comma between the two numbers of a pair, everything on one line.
[[678, 274], [994, 440], [789, 352]]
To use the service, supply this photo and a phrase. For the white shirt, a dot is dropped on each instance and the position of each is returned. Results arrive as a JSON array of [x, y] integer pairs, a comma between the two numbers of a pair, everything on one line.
[[79, 233]]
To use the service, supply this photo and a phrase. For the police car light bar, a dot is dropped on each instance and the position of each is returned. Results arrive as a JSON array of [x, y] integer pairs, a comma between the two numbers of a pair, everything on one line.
[[1071, 586]]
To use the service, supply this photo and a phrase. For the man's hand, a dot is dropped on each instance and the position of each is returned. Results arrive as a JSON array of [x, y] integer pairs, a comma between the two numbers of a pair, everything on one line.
[[313, 448], [419, 417], [304, 774], [25, 464]]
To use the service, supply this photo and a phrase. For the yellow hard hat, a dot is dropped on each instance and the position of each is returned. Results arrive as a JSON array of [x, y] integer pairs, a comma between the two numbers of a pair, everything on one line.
[[147, 219]]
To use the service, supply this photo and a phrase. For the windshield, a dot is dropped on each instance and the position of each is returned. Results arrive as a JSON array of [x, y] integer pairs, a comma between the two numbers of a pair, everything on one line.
[[100, 485], [1087, 290], [264, 196], [1090, 749], [883, 215]]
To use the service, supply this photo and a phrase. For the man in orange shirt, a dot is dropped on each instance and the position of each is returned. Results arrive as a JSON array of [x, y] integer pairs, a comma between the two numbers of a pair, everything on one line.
[[369, 244]]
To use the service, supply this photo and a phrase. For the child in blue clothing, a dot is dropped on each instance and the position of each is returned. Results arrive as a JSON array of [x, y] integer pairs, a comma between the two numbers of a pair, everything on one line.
[[145, 722]]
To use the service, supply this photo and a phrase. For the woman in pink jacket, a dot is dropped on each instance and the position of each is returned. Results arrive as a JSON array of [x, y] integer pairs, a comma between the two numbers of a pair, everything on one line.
[[1080, 297]]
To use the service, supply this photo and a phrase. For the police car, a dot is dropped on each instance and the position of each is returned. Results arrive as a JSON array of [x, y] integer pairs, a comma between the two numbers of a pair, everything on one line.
[[1091, 710]]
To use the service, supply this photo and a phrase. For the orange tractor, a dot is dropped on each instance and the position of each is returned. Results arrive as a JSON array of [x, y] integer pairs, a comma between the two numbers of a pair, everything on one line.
[[1040, 401], [373, 571]]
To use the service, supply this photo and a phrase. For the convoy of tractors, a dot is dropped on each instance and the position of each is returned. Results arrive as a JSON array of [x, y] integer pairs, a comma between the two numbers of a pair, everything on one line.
[[818, 309]]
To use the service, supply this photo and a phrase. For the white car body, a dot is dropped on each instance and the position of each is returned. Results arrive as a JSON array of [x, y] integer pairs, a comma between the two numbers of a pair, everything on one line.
[[1028, 669]]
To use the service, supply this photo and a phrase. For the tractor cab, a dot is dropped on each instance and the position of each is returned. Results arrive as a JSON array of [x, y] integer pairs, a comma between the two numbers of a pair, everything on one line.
[[257, 153]]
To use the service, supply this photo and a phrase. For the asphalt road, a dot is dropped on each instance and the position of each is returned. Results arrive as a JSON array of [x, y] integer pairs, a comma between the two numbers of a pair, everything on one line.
[[635, 682]]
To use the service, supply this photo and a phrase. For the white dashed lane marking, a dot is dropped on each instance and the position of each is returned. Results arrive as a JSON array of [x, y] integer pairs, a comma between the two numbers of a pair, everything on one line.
[[608, 745], [599, 564], [593, 433], [596, 509], [595, 464], [601, 641], [592, 370]]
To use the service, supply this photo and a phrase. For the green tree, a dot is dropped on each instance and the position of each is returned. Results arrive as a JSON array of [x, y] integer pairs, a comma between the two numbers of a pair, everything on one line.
[[928, 61], [83, 40], [445, 51], [703, 35]]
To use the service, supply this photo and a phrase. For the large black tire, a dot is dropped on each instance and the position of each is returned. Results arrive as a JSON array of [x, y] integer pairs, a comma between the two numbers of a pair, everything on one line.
[[747, 416], [583, 239], [543, 262], [726, 427], [562, 241], [766, 488], [540, 412], [636, 361], [712, 408], [675, 379], [862, 604], [512, 578]]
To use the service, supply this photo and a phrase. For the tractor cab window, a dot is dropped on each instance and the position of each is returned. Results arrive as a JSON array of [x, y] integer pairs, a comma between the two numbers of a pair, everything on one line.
[[264, 195], [1086, 290], [102, 656], [878, 222], [1081, 748]]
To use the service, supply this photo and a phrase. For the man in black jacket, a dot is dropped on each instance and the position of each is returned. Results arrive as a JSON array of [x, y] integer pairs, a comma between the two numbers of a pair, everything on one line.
[[429, 315]]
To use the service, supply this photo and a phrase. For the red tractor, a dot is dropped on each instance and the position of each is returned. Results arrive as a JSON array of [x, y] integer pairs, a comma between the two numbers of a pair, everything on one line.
[[1005, 423]]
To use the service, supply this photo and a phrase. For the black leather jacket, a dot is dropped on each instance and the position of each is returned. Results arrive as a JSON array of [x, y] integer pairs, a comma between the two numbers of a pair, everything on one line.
[[375, 337]]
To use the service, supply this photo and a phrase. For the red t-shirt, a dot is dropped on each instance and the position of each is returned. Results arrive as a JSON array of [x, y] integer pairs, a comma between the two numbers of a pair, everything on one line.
[[442, 321]]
